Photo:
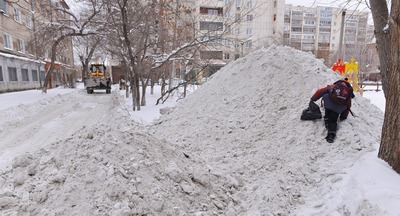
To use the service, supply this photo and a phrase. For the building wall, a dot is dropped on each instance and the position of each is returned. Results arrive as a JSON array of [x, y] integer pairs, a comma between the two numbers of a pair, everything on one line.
[[268, 23], [18, 60], [247, 25], [16, 25], [318, 30], [24, 70]]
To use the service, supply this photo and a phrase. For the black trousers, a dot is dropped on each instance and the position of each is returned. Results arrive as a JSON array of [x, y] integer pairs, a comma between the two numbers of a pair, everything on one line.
[[331, 119]]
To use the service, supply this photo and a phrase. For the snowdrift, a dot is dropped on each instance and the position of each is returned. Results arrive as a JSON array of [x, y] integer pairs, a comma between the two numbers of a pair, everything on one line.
[[246, 121], [236, 146], [111, 169]]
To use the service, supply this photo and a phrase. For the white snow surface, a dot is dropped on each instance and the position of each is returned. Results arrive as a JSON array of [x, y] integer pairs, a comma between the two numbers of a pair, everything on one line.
[[235, 146]]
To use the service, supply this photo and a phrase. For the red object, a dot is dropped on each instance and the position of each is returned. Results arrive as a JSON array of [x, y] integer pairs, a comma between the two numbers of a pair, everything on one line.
[[338, 66]]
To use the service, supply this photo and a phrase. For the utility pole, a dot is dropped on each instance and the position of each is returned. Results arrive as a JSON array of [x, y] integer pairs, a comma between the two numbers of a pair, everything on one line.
[[174, 44], [340, 52]]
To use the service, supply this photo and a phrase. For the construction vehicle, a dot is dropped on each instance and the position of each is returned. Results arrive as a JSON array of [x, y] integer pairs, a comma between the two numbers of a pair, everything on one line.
[[97, 79]]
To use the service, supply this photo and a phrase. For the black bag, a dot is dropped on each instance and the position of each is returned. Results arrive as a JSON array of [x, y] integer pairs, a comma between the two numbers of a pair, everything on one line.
[[312, 112]]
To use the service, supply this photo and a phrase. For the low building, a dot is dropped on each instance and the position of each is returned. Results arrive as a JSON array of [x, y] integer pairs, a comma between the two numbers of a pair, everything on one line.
[[21, 65]]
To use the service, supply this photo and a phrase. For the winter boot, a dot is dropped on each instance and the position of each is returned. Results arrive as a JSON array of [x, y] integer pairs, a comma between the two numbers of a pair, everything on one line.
[[330, 137], [326, 120]]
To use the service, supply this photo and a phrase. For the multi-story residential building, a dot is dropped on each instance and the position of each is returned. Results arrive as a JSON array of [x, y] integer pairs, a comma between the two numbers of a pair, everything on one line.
[[238, 26], [22, 65], [228, 29], [318, 29]]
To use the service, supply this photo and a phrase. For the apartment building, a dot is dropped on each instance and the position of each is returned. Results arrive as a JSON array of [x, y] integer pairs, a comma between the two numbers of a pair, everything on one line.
[[238, 27], [22, 66], [317, 29]]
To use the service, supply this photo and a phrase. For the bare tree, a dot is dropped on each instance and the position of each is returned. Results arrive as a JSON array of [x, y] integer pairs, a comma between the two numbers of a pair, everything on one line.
[[126, 36], [387, 33], [63, 25], [158, 38], [85, 48]]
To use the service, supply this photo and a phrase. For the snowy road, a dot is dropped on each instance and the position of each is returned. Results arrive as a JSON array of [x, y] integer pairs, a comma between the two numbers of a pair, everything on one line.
[[46, 121]]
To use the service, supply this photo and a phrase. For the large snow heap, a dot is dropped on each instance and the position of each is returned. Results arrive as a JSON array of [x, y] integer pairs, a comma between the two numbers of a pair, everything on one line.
[[246, 121], [236, 146]]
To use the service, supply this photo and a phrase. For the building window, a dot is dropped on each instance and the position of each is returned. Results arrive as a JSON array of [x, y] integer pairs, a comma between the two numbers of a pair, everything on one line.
[[228, 14], [20, 46], [24, 73], [309, 30], [249, 44], [28, 22], [237, 31], [249, 31], [238, 4], [325, 22], [3, 7], [249, 17], [308, 37], [211, 11], [325, 30], [17, 15], [34, 75], [274, 17], [298, 36], [309, 22], [1, 74], [12, 74], [211, 54], [211, 26], [237, 17], [250, 3], [297, 13], [7, 41], [227, 42], [227, 56], [296, 29]]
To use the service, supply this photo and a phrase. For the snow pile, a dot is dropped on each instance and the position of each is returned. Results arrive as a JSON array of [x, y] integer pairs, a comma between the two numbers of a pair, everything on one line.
[[246, 121], [111, 170], [236, 146]]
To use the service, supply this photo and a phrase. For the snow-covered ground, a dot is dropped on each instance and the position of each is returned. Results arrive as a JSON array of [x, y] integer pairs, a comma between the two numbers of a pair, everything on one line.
[[235, 146]]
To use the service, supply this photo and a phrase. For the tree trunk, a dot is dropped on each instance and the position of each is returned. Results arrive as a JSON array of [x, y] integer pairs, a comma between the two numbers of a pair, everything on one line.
[[143, 102], [162, 87], [387, 32], [85, 67], [127, 88], [137, 93], [133, 89], [152, 87], [380, 14], [47, 78]]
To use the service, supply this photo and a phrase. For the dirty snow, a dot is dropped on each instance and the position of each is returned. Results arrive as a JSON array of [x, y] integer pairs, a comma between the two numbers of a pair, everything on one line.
[[235, 146]]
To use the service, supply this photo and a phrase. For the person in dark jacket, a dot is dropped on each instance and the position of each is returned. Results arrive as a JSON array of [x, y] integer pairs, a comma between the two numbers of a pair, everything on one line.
[[333, 110]]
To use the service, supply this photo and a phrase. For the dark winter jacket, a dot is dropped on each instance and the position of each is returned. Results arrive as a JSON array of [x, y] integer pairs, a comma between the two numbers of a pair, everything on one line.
[[329, 104]]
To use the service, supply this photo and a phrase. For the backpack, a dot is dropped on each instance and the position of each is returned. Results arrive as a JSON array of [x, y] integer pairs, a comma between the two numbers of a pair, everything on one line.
[[341, 93], [312, 112]]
